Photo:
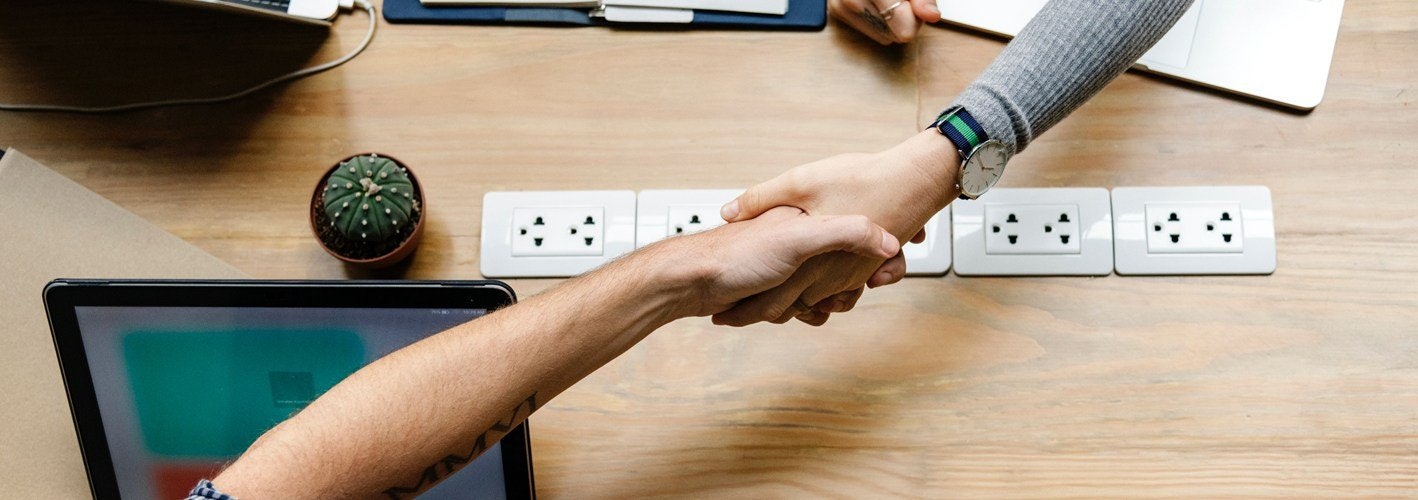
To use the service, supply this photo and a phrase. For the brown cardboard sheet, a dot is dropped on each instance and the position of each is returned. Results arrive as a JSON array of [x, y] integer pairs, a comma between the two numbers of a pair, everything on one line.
[[51, 227]]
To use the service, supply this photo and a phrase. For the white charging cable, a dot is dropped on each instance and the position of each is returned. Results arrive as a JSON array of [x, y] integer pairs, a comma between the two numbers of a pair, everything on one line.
[[369, 36]]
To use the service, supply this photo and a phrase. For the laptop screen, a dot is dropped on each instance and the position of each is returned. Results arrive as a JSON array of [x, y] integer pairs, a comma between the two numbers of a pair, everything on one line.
[[182, 391]]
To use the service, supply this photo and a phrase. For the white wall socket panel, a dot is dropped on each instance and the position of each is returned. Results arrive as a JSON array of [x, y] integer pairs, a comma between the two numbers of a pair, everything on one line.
[[662, 213], [1034, 232], [554, 234], [930, 257], [1194, 230]]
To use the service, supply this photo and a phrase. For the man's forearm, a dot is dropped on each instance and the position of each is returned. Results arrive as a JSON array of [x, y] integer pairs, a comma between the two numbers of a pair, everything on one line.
[[405, 422], [410, 419]]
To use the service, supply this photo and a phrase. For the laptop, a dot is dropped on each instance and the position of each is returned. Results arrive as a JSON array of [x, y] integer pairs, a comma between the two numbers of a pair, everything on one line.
[[1277, 51], [137, 356], [319, 12]]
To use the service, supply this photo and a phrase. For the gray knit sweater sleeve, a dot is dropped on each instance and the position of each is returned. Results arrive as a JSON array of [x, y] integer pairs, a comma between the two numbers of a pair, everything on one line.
[[1064, 56]]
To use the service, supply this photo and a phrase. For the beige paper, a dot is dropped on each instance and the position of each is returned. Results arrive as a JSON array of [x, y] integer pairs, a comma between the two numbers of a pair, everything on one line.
[[51, 227]]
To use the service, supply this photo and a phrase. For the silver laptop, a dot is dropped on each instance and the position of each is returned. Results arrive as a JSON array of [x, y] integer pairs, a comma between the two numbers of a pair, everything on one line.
[[1273, 50], [302, 11]]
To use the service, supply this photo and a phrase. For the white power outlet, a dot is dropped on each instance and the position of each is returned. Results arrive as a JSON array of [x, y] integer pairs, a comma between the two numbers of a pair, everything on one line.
[[690, 219], [662, 213], [930, 257], [1034, 232], [558, 231], [1194, 230], [553, 234], [1031, 229]]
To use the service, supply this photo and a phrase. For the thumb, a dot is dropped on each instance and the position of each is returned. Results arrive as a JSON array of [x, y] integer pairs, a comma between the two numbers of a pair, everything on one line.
[[926, 10], [857, 234], [775, 192], [890, 272]]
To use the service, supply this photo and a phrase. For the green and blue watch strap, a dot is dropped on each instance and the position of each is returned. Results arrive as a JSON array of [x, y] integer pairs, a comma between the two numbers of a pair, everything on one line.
[[961, 128]]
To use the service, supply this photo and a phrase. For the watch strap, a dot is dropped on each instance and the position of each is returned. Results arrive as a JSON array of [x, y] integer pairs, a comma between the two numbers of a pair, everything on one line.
[[961, 128]]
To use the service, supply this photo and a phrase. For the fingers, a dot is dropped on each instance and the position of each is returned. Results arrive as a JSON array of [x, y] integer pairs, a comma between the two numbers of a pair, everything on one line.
[[894, 268], [926, 10], [899, 25], [860, 16], [800, 242], [890, 272], [760, 198], [814, 318], [778, 305], [783, 303], [797, 308], [903, 22], [806, 238], [849, 299], [841, 302]]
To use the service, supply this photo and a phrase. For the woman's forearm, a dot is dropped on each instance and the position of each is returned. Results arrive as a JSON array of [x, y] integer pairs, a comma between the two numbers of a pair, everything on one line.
[[1064, 56]]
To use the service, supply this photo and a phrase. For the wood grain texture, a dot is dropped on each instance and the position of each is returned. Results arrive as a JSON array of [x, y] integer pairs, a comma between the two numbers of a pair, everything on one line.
[[1303, 383]]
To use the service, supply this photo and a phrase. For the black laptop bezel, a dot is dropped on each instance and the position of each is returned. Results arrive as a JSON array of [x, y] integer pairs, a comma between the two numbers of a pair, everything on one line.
[[61, 297]]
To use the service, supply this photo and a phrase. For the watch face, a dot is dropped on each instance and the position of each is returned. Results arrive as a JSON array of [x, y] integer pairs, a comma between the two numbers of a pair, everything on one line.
[[983, 168]]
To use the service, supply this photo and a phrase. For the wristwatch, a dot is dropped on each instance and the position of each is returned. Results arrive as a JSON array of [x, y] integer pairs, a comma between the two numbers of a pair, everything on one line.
[[982, 159]]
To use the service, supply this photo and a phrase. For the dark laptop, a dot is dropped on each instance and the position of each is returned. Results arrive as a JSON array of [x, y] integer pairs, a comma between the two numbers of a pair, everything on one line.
[[139, 356]]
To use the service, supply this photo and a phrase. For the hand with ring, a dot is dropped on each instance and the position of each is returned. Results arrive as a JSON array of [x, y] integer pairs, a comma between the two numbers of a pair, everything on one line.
[[886, 21]]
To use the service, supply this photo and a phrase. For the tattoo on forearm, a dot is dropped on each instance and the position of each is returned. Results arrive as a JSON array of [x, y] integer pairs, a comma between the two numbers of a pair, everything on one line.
[[876, 21], [449, 464]]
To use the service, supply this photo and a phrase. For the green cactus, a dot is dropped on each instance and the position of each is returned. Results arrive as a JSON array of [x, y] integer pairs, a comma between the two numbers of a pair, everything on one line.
[[369, 198]]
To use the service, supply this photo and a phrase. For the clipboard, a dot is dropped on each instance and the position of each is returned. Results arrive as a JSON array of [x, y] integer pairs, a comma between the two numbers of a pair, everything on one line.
[[803, 15]]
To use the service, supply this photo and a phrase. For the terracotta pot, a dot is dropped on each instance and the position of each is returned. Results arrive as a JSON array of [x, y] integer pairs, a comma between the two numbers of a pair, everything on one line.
[[394, 256]]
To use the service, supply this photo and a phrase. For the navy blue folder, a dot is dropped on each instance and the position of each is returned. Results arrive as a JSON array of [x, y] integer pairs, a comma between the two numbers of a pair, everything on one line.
[[802, 15]]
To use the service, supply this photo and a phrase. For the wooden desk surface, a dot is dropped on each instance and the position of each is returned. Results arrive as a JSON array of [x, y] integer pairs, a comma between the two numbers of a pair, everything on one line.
[[1301, 383]]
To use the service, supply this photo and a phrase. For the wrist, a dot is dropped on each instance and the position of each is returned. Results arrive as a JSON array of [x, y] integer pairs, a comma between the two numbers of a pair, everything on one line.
[[671, 280], [937, 163], [926, 167], [637, 293]]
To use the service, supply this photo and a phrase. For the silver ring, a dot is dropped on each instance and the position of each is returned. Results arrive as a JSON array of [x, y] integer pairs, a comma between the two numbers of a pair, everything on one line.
[[801, 307], [890, 12]]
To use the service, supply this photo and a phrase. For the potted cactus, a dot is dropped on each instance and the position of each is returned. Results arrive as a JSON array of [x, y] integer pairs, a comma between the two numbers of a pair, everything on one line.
[[368, 211]]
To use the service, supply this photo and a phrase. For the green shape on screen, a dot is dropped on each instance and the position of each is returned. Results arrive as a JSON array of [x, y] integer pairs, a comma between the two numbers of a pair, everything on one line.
[[210, 394]]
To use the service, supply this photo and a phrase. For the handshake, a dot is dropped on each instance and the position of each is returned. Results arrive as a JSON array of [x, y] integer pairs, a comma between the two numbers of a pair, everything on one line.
[[807, 243], [803, 245]]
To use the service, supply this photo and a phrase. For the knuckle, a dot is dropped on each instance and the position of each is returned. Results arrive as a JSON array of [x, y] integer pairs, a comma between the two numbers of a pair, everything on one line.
[[861, 227], [749, 198], [796, 181], [773, 312], [861, 222]]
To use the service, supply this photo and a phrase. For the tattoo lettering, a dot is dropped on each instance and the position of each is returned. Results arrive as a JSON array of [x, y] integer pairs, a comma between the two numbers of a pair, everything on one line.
[[449, 464], [876, 21]]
